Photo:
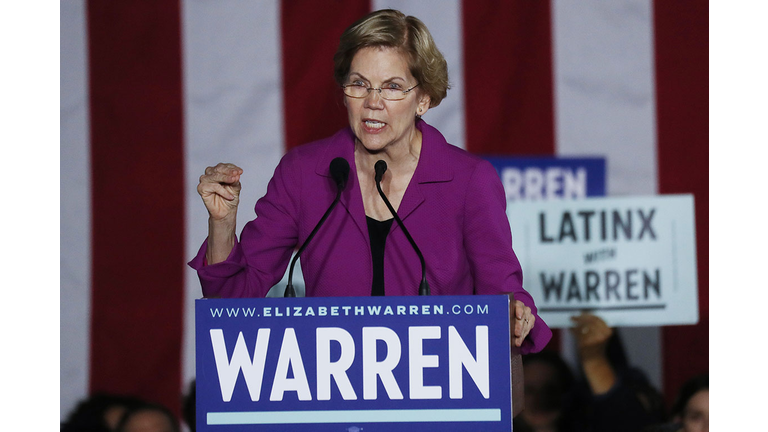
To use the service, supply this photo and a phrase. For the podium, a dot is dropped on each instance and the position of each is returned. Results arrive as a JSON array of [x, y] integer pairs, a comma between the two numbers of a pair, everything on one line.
[[357, 364], [518, 382]]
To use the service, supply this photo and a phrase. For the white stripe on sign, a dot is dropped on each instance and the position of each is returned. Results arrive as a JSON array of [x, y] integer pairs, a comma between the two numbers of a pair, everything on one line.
[[353, 416]]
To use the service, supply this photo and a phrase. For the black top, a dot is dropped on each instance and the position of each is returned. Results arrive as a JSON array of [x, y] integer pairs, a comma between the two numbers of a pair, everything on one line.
[[377, 231]]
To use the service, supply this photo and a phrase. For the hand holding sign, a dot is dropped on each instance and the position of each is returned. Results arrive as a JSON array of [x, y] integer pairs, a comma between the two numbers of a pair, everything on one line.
[[592, 335]]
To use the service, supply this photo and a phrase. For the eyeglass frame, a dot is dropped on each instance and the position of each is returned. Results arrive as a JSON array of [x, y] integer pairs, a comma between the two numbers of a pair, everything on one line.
[[368, 89]]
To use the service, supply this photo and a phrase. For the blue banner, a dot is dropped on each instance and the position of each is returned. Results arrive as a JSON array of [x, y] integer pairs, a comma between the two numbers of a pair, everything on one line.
[[541, 178], [354, 364]]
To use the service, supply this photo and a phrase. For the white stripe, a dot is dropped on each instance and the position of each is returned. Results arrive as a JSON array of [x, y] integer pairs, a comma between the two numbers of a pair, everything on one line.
[[75, 304], [604, 87], [444, 21], [605, 105], [354, 416], [233, 113]]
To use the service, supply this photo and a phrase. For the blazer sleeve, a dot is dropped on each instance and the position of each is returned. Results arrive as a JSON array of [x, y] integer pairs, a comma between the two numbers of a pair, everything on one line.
[[488, 244], [260, 257]]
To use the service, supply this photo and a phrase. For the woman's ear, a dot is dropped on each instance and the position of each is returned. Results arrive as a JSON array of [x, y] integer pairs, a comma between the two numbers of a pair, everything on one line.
[[423, 106]]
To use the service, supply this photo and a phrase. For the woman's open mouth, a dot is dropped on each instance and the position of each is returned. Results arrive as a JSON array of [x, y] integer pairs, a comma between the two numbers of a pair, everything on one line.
[[373, 126]]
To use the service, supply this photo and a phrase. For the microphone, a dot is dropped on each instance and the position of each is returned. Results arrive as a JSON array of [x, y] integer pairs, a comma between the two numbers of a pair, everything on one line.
[[340, 173], [380, 167]]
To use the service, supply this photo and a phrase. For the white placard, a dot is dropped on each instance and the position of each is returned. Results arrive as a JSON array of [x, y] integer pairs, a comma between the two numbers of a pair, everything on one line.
[[631, 261]]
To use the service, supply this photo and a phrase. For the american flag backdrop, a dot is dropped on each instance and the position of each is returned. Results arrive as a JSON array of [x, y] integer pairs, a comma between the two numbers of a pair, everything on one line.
[[152, 92]]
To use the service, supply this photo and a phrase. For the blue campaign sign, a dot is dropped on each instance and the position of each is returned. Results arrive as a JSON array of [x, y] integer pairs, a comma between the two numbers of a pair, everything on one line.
[[538, 178], [354, 364]]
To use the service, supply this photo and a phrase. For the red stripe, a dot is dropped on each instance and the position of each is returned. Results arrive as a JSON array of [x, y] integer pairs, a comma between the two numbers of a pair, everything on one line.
[[508, 76], [509, 97], [682, 85], [313, 104], [137, 178]]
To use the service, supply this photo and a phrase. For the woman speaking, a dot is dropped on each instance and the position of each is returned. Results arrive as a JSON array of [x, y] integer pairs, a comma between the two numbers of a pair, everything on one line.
[[451, 202]]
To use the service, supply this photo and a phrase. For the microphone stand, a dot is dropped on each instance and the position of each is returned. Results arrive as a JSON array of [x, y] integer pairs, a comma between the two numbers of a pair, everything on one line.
[[380, 168], [339, 171]]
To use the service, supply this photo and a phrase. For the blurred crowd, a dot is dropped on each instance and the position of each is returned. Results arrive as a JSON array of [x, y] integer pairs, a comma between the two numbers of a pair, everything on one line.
[[605, 394], [103, 412]]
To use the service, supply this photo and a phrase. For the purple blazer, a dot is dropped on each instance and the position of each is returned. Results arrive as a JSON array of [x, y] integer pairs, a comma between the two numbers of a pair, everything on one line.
[[454, 208]]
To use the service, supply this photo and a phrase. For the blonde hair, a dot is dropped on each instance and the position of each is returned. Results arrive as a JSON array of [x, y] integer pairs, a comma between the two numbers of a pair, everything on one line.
[[391, 28]]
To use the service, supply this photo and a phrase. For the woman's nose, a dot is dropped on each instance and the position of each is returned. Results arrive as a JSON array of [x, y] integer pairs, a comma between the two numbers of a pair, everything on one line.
[[374, 100]]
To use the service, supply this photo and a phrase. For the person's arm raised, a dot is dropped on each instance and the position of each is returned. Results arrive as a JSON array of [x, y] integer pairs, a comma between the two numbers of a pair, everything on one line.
[[592, 334], [220, 188]]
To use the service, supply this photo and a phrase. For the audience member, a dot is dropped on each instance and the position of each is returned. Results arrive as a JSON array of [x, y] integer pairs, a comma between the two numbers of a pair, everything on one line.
[[608, 395], [690, 412], [548, 395], [148, 418], [619, 396], [691, 408], [100, 412], [188, 406]]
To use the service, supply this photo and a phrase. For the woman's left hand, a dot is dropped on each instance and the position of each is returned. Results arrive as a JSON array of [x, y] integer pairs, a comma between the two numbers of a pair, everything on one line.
[[522, 323]]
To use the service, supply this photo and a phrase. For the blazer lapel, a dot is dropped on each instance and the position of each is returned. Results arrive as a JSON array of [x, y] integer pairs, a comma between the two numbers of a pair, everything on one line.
[[412, 199], [432, 168], [351, 197]]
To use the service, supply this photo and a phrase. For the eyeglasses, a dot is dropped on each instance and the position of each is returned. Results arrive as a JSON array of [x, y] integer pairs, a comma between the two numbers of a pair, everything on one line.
[[358, 90]]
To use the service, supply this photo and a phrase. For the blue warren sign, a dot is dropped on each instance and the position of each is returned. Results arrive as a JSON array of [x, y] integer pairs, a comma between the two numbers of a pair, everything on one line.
[[354, 364], [546, 178]]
